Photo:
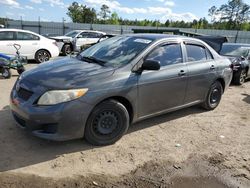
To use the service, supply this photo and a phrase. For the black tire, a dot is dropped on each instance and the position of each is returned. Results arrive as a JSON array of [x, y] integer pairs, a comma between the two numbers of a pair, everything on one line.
[[20, 70], [67, 49], [42, 56], [240, 77], [6, 73], [213, 96], [107, 123]]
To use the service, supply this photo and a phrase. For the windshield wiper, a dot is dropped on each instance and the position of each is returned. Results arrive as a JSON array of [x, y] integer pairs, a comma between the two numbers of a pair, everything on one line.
[[92, 59]]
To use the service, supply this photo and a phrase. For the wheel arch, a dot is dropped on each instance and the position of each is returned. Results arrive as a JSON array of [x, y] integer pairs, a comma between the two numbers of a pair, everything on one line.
[[222, 81], [124, 101]]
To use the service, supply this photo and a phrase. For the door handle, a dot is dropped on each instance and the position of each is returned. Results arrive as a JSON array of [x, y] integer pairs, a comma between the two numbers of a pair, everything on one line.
[[34, 43], [10, 44], [212, 67], [182, 73]]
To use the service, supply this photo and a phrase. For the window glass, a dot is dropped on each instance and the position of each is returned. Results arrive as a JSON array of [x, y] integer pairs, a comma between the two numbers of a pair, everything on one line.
[[26, 36], [235, 50], [167, 54], [196, 53], [83, 35], [117, 51], [209, 55], [94, 35], [7, 35]]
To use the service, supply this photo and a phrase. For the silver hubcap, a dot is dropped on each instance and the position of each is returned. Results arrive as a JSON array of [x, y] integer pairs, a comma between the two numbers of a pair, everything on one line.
[[43, 56], [242, 76], [5, 73]]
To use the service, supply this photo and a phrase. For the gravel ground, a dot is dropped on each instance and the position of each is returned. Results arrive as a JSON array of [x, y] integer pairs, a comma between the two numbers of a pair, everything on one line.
[[187, 148]]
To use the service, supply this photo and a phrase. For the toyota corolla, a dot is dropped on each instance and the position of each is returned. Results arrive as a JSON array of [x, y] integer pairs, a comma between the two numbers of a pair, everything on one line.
[[119, 81]]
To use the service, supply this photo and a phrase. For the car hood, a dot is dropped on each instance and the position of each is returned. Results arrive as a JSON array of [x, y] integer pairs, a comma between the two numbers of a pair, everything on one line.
[[61, 38], [66, 73]]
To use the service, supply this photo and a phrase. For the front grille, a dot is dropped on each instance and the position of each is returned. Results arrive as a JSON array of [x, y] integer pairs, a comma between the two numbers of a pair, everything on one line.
[[24, 94], [19, 120]]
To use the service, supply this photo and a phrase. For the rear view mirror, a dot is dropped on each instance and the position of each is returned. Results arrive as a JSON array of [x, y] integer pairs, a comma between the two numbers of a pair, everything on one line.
[[151, 65]]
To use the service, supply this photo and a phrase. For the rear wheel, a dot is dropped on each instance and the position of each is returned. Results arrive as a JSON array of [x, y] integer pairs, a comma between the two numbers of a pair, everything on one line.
[[108, 122], [6, 73], [213, 97], [240, 77], [42, 56], [67, 49]]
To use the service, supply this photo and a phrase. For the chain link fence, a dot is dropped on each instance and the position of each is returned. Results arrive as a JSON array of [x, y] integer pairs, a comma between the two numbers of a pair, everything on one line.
[[60, 28]]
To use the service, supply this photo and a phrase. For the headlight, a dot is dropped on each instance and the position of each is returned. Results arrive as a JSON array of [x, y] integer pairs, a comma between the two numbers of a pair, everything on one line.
[[59, 96]]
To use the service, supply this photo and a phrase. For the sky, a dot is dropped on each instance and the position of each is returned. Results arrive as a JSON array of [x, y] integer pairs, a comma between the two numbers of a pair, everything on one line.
[[55, 10]]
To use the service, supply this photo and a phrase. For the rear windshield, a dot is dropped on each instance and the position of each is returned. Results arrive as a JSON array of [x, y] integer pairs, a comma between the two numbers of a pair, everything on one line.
[[235, 50]]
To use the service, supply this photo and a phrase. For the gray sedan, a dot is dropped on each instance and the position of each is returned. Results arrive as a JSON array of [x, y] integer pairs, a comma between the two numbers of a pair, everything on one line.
[[116, 82]]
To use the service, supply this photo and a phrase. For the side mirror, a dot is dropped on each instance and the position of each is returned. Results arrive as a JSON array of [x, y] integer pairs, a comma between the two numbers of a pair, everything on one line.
[[151, 65], [79, 36]]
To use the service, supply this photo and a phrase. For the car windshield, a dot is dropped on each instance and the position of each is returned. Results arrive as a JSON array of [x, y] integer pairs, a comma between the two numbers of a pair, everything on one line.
[[234, 50], [72, 34], [116, 51]]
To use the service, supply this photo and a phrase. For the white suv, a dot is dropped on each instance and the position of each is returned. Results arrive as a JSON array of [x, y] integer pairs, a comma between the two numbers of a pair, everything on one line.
[[33, 46], [74, 40]]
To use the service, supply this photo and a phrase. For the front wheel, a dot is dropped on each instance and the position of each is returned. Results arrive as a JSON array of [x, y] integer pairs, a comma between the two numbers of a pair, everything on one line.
[[240, 77], [107, 123], [67, 49], [42, 56], [20, 70], [6, 73], [213, 97]]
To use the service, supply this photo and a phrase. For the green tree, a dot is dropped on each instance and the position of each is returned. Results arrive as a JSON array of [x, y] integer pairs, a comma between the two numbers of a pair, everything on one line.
[[81, 13], [105, 12], [114, 19], [234, 13]]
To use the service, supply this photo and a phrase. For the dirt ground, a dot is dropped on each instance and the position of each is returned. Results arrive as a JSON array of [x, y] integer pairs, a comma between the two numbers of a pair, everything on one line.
[[188, 148]]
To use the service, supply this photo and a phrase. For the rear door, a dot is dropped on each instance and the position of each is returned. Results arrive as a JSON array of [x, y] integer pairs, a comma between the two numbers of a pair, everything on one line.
[[29, 44], [201, 71], [82, 39], [7, 41], [93, 37], [163, 89]]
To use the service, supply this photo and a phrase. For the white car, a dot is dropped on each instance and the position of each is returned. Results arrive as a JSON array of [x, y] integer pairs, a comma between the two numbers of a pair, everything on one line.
[[74, 40], [33, 46]]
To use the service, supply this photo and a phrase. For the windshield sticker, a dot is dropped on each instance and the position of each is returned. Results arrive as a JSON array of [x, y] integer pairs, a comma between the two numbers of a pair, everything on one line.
[[145, 41]]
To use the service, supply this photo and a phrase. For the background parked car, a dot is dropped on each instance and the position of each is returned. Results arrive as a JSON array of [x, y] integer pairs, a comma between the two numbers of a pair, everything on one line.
[[33, 46], [103, 37], [73, 40], [239, 54]]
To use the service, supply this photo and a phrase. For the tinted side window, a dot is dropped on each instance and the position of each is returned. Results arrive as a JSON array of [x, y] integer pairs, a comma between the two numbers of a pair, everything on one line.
[[26, 36], [196, 53], [209, 55], [167, 54], [94, 35], [7, 35], [83, 35]]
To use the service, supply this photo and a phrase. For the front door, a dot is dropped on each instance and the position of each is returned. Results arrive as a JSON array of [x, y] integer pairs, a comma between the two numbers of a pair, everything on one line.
[[164, 89]]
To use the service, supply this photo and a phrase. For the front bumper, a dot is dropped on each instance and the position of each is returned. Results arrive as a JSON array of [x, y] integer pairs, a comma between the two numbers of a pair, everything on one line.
[[59, 122]]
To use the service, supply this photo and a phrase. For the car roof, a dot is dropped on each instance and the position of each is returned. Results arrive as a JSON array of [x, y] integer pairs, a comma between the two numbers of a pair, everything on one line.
[[236, 44], [88, 31], [163, 36], [19, 30]]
